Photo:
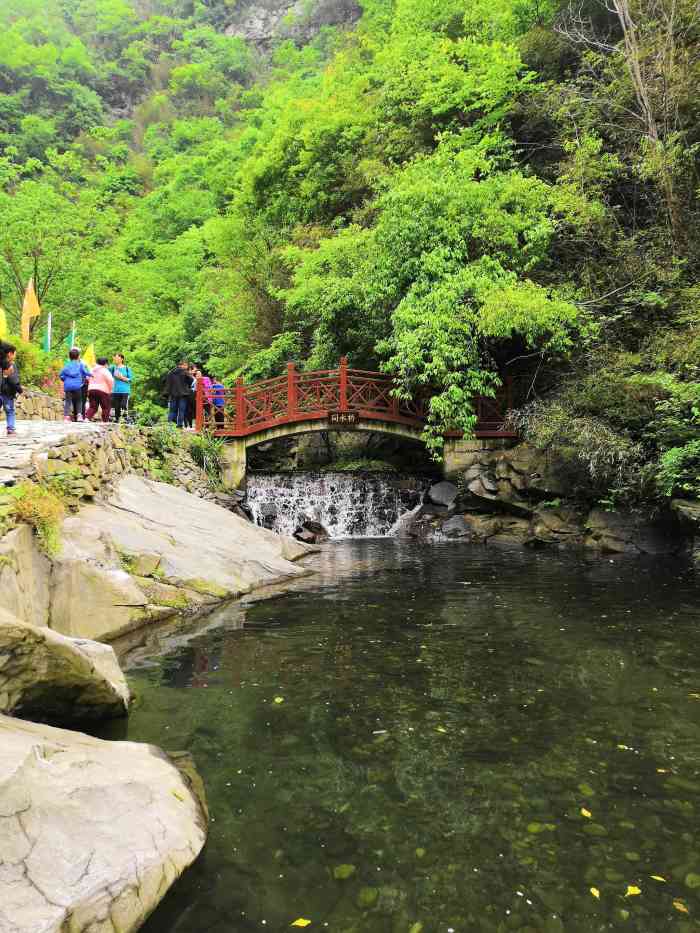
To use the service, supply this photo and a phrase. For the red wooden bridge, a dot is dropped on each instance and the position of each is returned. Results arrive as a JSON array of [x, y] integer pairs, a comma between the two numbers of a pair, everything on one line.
[[338, 398]]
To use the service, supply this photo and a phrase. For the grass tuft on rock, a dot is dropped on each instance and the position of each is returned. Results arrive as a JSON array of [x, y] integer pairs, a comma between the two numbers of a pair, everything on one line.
[[43, 508]]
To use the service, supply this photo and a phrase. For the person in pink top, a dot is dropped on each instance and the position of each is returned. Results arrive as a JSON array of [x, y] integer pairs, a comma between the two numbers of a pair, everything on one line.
[[100, 390]]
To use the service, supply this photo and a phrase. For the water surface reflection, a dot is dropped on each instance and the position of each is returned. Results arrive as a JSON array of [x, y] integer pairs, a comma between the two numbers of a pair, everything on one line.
[[433, 737]]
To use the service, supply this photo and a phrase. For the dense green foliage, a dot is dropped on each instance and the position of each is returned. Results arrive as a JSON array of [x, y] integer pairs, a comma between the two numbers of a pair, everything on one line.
[[453, 191]]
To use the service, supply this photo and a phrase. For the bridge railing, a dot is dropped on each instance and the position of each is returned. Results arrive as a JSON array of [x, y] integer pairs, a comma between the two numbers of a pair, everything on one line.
[[342, 394]]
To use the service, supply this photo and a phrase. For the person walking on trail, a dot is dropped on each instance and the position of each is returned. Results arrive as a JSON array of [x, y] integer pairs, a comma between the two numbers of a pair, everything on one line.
[[10, 386], [178, 385], [73, 376], [100, 390], [122, 385]]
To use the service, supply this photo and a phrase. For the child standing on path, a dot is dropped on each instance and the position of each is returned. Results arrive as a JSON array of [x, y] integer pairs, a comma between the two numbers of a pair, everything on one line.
[[73, 376], [122, 385], [100, 390], [10, 387]]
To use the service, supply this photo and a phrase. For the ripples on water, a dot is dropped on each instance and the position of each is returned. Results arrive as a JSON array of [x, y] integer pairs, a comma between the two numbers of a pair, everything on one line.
[[434, 738]]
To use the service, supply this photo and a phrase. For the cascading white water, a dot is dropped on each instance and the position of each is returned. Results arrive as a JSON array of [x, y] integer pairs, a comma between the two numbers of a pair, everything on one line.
[[348, 505]]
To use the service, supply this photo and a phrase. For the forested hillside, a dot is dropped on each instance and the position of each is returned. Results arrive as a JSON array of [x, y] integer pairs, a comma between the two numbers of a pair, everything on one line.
[[452, 190]]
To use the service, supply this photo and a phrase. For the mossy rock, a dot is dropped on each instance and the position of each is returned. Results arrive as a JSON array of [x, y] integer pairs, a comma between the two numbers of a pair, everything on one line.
[[207, 588]]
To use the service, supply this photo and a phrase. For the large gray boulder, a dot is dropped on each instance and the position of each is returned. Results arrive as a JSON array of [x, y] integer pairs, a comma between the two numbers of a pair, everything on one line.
[[45, 675], [182, 540], [443, 493], [92, 833]]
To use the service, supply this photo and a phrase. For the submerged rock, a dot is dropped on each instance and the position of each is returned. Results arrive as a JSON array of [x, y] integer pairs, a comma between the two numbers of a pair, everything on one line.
[[92, 833], [45, 675]]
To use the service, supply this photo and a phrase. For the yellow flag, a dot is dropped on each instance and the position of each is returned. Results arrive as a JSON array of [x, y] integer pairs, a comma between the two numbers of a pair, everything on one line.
[[3, 323], [30, 309], [89, 356]]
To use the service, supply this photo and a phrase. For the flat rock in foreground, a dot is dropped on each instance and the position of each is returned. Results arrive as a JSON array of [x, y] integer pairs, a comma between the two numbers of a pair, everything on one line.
[[92, 833], [45, 674]]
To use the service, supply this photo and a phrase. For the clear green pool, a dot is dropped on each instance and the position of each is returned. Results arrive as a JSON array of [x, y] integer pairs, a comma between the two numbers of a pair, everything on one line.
[[442, 737]]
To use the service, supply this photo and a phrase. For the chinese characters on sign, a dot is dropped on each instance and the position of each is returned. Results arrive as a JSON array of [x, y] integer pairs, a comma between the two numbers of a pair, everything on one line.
[[346, 418]]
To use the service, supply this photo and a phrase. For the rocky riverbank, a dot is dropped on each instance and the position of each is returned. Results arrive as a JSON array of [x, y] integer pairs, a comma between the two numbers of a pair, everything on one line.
[[93, 833], [521, 496]]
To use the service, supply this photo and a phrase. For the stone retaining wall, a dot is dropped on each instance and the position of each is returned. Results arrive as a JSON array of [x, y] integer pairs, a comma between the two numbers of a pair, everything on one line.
[[88, 465], [33, 405]]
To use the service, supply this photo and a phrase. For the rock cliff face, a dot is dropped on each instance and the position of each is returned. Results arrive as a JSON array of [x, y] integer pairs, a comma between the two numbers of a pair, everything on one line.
[[519, 496], [265, 22], [92, 833]]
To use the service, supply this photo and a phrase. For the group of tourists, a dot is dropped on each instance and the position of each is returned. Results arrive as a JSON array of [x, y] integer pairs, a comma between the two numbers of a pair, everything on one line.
[[104, 388], [181, 389]]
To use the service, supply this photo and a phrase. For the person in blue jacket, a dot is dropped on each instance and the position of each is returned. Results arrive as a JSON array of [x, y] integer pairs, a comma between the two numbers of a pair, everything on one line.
[[73, 376]]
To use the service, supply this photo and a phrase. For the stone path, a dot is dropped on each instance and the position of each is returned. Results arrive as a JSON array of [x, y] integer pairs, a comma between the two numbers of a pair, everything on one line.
[[17, 453]]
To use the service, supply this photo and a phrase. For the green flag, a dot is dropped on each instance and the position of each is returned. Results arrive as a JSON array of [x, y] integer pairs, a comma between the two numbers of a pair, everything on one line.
[[71, 337], [46, 341]]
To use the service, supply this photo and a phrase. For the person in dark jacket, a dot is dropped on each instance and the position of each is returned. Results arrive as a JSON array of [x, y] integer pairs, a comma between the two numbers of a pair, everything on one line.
[[10, 386], [74, 376], [178, 386]]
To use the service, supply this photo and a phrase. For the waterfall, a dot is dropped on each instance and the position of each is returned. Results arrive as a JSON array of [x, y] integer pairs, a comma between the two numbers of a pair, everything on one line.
[[348, 505]]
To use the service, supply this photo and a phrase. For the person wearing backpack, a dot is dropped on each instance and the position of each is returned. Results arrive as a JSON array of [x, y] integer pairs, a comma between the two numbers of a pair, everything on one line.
[[122, 385], [73, 376], [10, 386]]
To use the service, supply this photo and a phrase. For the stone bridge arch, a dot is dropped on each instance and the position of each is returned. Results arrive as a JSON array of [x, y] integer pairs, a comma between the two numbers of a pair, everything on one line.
[[235, 453]]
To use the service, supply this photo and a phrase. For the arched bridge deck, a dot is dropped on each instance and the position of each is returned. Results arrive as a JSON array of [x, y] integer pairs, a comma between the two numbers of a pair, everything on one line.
[[327, 400], [335, 399]]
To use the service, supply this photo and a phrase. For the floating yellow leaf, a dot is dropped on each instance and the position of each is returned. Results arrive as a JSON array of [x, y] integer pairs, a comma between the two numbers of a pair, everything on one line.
[[586, 813], [662, 770], [301, 922], [632, 890], [595, 892], [441, 729], [658, 878], [279, 699], [695, 696], [679, 905]]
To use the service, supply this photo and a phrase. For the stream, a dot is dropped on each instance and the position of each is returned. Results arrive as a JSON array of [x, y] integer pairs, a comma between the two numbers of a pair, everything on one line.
[[439, 737]]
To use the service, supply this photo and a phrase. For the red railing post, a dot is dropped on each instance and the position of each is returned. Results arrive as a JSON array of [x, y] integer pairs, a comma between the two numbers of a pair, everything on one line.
[[343, 383], [240, 405], [292, 396], [199, 406], [395, 402]]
